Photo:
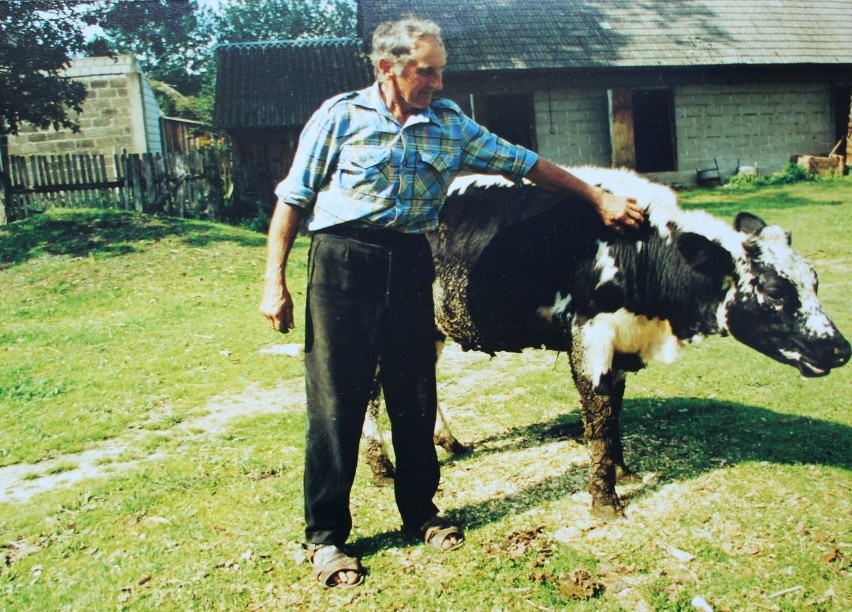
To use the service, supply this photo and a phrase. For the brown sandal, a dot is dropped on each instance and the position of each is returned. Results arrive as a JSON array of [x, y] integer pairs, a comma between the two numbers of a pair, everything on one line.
[[327, 560], [435, 532]]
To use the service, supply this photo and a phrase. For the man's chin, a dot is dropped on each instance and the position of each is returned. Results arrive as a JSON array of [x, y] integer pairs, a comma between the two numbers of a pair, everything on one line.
[[421, 103]]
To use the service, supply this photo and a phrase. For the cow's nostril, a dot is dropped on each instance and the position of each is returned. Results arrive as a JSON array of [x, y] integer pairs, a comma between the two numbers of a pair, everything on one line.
[[842, 352]]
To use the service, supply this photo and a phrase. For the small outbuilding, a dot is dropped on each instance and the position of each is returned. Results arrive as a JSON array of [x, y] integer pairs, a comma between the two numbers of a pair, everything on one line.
[[120, 113]]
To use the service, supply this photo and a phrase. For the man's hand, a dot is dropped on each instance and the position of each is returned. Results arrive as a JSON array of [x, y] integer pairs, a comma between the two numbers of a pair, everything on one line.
[[617, 212], [276, 303], [620, 213], [277, 306]]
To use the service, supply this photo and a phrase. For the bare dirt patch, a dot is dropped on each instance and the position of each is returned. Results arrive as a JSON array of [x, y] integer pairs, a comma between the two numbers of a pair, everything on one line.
[[20, 482]]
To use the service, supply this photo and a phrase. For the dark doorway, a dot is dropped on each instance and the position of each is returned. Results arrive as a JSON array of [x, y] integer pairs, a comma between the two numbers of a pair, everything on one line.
[[653, 129], [512, 116]]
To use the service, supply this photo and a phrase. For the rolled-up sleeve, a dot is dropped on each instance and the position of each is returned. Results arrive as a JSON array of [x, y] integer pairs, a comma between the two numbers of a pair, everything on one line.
[[315, 154], [487, 152]]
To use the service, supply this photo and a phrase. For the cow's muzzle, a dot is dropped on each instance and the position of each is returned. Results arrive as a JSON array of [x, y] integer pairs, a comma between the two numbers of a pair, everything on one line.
[[835, 355]]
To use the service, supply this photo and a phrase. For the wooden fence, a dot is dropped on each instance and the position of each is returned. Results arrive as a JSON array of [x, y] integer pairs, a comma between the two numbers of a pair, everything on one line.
[[187, 185]]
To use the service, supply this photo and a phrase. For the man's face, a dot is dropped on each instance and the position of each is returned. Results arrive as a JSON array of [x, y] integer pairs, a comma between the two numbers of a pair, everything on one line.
[[423, 75]]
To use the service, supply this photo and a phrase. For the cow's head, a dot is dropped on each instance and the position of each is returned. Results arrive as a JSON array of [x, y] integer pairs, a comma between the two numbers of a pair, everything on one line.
[[773, 306]]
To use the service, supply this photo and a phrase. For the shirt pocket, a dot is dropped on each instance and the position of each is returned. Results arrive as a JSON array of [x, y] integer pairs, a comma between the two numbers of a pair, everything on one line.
[[365, 169], [437, 169]]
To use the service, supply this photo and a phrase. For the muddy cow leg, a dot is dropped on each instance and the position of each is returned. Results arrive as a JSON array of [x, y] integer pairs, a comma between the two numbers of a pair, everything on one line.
[[377, 450], [598, 394]]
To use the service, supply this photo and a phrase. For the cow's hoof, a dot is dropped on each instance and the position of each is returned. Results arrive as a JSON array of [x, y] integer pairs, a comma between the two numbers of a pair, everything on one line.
[[383, 480], [608, 510], [625, 475], [453, 446]]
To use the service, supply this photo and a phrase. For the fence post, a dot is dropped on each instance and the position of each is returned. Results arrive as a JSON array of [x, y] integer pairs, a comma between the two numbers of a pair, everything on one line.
[[214, 180]]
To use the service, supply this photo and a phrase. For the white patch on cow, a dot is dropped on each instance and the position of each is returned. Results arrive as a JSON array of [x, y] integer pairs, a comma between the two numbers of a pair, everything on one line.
[[791, 355], [722, 311], [700, 222], [605, 264], [560, 307], [463, 183], [624, 332]]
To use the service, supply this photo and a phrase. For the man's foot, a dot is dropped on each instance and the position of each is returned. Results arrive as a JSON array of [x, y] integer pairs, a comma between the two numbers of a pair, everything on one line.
[[440, 534], [333, 568]]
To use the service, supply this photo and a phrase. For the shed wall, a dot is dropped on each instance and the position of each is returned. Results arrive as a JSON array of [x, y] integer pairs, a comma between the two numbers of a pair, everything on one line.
[[119, 114]]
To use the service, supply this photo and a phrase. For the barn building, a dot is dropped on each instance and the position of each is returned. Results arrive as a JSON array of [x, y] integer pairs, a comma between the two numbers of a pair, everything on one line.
[[671, 89]]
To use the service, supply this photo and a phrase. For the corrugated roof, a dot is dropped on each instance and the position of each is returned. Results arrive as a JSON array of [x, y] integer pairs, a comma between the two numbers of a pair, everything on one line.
[[282, 83], [551, 34]]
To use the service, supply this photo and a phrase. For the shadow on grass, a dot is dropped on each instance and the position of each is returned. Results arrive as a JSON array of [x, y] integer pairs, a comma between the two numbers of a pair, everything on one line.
[[678, 438], [80, 233]]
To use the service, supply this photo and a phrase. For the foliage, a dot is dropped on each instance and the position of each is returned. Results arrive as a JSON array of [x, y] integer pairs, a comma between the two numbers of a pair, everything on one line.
[[121, 332], [37, 40], [261, 20], [788, 174], [174, 39], [171, 39]]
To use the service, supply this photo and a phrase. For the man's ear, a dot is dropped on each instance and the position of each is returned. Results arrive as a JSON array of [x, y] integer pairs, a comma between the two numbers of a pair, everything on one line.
[[386, 68]]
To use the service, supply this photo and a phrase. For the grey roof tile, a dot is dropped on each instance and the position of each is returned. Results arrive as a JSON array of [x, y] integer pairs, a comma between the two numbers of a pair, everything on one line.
[[550, 34], [281, 83]]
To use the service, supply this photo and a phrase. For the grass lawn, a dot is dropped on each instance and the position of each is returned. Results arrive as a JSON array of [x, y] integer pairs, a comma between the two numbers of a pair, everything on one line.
[[150, 448]]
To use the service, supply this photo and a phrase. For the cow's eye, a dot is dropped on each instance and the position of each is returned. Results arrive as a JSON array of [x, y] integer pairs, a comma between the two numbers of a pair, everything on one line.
[[776, 289]]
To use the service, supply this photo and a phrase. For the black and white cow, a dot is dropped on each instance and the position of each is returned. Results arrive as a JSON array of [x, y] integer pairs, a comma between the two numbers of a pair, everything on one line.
[[519, 267]]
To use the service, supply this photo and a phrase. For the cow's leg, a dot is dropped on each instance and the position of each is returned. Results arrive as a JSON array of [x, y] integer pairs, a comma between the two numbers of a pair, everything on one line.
[[600, 429], [622, 472], [601, 390], [377, 451], [444, 437]]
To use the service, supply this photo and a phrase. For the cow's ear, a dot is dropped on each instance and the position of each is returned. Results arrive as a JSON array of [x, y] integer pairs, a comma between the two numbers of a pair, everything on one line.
[[748, 223], [705, 256]]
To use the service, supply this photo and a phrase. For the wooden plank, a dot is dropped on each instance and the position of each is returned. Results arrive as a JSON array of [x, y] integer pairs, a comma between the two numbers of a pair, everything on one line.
[[121, 171], [104, 179], [620, 103], [136, 176]]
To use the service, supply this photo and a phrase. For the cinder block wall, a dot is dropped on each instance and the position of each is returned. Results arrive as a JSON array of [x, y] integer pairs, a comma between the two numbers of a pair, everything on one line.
[[119, 114], [572, 126], [762, 124], [759, 125]]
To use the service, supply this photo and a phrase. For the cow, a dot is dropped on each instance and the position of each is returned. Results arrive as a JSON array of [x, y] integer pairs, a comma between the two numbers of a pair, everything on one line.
[[517, 266]]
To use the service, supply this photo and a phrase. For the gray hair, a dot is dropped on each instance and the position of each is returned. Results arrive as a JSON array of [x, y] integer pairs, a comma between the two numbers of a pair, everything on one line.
[[395, 41]]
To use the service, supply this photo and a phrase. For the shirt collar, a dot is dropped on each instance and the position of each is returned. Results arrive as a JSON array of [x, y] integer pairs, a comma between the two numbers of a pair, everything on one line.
[[372, 98]]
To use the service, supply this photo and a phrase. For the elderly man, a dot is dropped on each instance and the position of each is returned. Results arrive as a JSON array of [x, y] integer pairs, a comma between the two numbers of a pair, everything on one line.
[[368, 179]]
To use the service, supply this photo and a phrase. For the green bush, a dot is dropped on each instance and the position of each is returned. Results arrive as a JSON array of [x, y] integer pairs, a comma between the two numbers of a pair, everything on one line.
[[787, 175]]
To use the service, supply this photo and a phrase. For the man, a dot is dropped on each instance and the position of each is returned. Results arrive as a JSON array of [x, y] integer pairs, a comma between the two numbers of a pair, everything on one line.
[[369, 177]]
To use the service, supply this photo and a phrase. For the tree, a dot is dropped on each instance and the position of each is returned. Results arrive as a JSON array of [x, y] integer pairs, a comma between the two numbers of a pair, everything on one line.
[[170, 38], [174, 39], [263, 20], [37, 41]]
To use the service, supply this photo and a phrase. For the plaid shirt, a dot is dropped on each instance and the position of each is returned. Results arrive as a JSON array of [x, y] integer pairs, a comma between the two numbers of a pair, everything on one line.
[[355, 163]]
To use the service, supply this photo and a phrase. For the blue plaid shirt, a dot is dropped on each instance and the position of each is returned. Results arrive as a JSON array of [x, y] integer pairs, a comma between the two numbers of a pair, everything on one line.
[[356, 163]]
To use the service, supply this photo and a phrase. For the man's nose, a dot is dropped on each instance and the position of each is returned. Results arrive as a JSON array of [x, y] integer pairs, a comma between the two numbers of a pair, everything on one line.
[[438, 81]]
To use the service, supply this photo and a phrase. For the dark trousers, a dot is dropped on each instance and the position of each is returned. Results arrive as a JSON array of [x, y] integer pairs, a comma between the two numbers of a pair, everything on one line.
[[369, 303]]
